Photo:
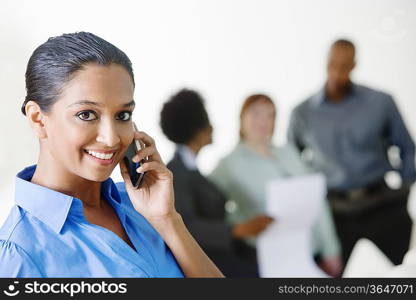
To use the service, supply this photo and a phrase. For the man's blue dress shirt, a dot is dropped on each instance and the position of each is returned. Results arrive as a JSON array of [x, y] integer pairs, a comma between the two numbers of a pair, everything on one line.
[[47, 235], [348, 141]]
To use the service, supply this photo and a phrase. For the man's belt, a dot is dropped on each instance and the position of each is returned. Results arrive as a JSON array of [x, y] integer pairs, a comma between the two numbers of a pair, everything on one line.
[[362, 200]]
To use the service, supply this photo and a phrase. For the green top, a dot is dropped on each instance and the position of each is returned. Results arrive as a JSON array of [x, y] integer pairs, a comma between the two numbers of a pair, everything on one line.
[[243, 175]]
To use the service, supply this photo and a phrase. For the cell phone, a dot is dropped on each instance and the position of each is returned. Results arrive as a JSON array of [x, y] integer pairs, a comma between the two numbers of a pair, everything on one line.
[[135, 178]]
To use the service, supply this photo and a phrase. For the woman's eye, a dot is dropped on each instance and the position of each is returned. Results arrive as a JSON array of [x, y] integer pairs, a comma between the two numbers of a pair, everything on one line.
[[87, 116], [124, 116]]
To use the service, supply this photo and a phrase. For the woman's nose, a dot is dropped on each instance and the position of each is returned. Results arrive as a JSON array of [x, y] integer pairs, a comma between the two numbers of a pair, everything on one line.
[[108, 134]]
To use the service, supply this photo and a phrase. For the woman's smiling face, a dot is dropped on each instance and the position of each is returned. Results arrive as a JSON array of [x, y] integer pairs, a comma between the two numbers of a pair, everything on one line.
[[89, 127]]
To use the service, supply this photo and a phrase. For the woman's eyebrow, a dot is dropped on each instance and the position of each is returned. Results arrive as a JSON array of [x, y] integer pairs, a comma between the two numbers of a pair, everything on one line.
[[88, 102], [131, 103]]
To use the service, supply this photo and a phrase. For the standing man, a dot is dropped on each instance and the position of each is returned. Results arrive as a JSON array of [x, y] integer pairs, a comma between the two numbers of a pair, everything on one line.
[[345, 131]]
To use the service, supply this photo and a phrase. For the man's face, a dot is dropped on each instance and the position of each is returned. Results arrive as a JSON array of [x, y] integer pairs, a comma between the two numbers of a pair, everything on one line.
[[340, 64]]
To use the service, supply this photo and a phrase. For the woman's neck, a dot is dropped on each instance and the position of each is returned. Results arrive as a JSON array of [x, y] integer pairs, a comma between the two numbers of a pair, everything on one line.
[[262, 148], [52, 175]]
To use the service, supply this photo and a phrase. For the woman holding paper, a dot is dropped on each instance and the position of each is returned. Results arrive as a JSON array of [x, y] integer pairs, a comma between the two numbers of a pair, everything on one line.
[[243, 174]]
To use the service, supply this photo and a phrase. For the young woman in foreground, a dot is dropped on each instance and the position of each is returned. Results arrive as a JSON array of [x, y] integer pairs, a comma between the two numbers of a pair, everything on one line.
[[70, 219]]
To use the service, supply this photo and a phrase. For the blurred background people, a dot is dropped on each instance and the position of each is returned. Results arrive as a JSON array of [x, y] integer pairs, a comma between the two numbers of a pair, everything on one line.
[[345, 131], [244, 173], [185, 122]]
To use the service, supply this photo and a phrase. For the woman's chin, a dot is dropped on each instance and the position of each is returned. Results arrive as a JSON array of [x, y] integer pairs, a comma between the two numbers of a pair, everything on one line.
[[98, 171], [98, 176]]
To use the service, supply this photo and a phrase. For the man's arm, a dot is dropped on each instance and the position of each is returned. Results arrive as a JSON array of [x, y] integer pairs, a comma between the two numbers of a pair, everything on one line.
[[294, 133], [398, 135]]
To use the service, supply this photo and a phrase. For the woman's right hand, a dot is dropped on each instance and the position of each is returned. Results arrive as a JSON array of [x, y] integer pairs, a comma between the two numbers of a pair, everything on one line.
[[251, 227], [154, 199]]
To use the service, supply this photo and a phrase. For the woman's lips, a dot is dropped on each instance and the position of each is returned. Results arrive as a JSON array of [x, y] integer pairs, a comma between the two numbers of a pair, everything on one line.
[[101, 157]]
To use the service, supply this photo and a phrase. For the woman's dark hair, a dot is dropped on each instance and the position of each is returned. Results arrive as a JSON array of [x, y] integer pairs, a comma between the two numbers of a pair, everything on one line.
[[183, 116], [54, 62]]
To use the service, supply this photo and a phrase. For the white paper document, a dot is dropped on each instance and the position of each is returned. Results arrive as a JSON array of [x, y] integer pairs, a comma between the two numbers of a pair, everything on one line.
[[284, 248]]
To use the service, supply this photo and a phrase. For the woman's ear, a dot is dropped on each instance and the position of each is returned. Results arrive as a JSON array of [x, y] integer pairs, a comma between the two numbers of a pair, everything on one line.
[[36, 119]]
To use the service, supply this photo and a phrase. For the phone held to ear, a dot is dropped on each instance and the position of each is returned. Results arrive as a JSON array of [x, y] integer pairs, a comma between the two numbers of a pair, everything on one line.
[[135, 178]]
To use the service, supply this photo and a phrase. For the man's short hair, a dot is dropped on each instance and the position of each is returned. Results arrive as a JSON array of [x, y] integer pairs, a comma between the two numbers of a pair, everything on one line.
[[344, 43]]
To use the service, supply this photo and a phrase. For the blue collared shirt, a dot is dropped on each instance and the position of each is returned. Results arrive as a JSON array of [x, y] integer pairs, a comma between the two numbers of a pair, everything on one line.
[[47, 235], [348, 141]]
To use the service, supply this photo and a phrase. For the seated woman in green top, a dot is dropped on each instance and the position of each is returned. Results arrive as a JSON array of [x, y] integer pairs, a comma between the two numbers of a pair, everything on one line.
[[256, 153]]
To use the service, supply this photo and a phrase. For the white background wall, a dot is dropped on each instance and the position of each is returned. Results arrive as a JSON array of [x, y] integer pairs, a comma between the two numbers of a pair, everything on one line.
[[225, 49]]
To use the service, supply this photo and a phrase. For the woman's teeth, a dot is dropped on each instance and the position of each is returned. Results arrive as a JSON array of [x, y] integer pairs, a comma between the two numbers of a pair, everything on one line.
[[106, 156]]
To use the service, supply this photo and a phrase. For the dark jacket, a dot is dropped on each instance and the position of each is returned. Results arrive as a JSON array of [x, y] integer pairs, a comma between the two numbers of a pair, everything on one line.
[[202, 207]]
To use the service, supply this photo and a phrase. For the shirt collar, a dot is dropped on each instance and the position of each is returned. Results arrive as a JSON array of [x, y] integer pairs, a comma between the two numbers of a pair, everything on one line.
[[244, 148], [188, 157], [320, 97], [49, 206]]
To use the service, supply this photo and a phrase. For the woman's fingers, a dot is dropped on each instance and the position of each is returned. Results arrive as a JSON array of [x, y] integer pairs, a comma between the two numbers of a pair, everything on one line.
[[149, 142], [144, 153], [261, 222], [155, 166], [144, 137], [159, 168]]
